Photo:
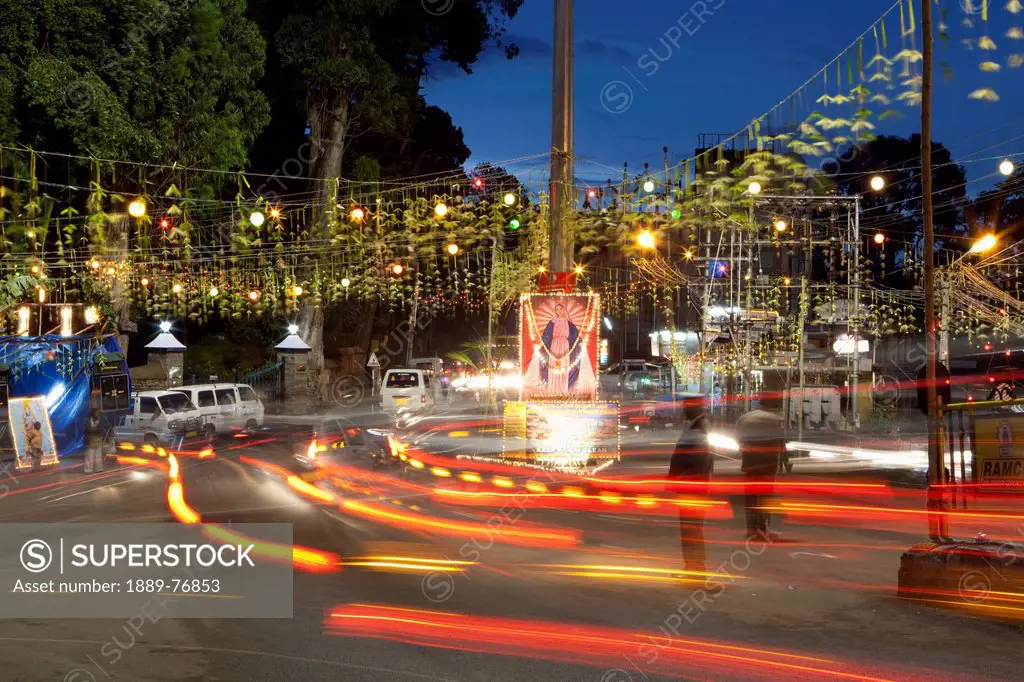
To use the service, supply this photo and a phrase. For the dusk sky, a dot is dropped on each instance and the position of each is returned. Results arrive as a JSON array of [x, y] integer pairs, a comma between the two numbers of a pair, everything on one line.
[[739, 63]]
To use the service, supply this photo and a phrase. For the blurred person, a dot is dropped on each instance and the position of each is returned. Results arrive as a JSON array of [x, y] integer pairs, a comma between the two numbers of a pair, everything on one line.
[[693, 463], [762, 440], [94, 443]]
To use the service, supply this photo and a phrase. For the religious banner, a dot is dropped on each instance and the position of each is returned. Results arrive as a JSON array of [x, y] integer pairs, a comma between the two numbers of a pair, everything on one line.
[[558, 346], [33, 436], [561, 434]]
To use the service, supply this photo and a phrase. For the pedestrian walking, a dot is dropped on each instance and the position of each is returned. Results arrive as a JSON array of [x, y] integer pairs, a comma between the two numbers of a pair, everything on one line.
[[94, 443], [691, 465], [762, 441]]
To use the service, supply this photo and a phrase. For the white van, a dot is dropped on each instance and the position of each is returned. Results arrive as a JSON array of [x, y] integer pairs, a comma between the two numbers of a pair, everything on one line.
[[226, 407], [408, 390], [159, 418]]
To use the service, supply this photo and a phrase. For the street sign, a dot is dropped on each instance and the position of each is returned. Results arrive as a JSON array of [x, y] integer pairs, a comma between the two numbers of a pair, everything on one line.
[[373, 362]]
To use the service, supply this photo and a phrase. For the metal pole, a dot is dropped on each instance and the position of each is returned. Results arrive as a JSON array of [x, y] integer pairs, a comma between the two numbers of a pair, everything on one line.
[[800, 337], [561, 136], [855, 314], [936, 471]]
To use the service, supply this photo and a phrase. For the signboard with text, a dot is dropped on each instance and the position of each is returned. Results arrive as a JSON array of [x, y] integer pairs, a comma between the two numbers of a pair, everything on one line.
[[999, 449]]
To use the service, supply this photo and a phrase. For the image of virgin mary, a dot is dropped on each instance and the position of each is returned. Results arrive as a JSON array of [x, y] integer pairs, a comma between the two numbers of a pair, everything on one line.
[[560, 372]]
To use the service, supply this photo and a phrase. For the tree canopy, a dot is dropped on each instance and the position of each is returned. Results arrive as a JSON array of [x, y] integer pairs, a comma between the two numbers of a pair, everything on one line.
[[133, 79]]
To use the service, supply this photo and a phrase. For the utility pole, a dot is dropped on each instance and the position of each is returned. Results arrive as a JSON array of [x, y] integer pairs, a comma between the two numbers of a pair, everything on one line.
[[562, 174], [936, 472]]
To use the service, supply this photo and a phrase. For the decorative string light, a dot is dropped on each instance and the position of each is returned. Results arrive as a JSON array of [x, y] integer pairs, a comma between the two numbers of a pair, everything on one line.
[[346, 282], [397, 269], [214, 291], [453, 249], [510, 199], [176, 288], [256, 218], [254, 295], [24, 316], [441, 210], [357, 215], [92, 315], [1006, 167], [754, 188], [878, 183], [137, 208], [297, 291]]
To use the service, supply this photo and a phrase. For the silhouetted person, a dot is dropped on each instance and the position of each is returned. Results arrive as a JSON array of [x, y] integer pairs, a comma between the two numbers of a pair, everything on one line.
[[762, 441], [94, 443], [692, 463]]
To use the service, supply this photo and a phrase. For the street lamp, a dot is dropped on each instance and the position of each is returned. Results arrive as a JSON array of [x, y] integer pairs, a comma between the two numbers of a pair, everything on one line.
[[645, 240], [984, 244], [165, 327], [878, 183]]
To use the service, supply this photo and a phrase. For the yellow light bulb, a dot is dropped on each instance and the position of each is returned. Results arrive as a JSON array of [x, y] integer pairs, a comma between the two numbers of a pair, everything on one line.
[[137, 208]]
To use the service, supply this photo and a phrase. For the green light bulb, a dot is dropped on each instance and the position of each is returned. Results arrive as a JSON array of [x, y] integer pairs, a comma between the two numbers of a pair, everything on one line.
[[514, 223]]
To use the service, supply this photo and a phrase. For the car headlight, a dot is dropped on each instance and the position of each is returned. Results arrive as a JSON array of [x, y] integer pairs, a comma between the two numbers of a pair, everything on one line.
[[174, 424]]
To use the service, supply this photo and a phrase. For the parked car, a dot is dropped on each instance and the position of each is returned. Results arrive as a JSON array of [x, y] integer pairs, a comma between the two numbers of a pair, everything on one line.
[[159, 418], [407, 390], [226, 407]]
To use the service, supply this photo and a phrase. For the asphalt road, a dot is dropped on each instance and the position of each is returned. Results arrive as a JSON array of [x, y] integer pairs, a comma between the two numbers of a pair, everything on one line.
[[816, 604]]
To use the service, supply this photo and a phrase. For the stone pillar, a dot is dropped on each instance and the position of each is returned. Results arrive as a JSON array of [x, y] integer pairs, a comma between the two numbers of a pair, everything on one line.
[[173, 366], [297, 372]]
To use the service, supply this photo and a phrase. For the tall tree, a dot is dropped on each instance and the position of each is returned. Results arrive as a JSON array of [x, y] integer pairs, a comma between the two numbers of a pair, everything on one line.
[[143, 80], [360, 62]]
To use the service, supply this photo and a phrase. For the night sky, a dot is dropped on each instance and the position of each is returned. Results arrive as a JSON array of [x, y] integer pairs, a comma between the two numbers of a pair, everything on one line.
[[738, 63]]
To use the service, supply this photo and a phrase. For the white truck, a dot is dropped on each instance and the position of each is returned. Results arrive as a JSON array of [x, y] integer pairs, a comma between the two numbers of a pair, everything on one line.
[[159, 418]]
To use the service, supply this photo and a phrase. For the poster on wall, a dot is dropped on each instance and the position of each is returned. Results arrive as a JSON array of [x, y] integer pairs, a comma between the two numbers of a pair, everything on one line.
[[32, 432], [558, 346]]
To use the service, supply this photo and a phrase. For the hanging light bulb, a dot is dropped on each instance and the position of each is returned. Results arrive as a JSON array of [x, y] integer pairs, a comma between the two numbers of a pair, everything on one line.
[[453, 249], [510, 199], [254, 295], [879, 238], [176, 288], [35, 269], [144, 281], [441, 210], [357, 215], [31, 234], [165, 223], [256, 218], [42, 295], [137, 208], [297, 291], [214, 291], [397, 269], [878, 183], [754, 187], [95, 264], [275, 212], [780, 225], [1006, 167], [649, 186], [92, 315], [514, 224], [345, 282]]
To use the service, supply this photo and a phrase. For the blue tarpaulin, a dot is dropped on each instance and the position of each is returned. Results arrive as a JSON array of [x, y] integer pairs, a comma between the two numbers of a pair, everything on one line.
[[59, 369]]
